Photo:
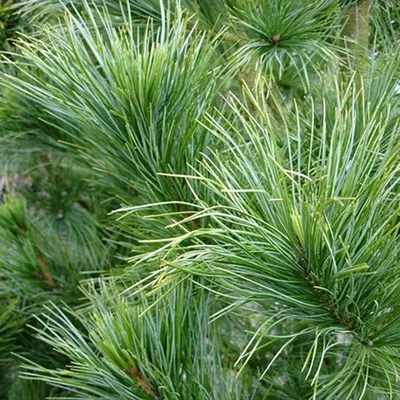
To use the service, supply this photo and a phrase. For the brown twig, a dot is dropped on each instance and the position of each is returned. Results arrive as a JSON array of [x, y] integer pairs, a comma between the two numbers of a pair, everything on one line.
[[46, 276], [322, 296], [141, 381]]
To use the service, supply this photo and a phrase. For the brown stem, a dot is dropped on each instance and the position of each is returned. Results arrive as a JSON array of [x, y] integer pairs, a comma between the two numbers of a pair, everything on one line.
[[140, 379], [322, 296], [357, 29], [46, 276]]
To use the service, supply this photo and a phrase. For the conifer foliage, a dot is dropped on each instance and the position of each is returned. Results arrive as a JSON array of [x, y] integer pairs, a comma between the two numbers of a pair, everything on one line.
[[199, 199]]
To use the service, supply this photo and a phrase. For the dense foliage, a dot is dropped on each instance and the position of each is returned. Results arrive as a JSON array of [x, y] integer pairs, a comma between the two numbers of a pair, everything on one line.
[[199, 199]]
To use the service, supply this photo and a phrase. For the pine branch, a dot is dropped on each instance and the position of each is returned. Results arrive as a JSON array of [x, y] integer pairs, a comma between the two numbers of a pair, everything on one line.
[[275, 238]]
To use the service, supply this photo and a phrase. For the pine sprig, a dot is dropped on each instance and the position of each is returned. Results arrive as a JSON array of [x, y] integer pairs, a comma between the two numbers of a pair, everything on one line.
[[145, 87], [278, 36], [131, 349], [307, 226]]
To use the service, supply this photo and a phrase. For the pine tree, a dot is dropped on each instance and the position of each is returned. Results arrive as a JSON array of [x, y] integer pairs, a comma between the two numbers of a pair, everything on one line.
[[199, 199]]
